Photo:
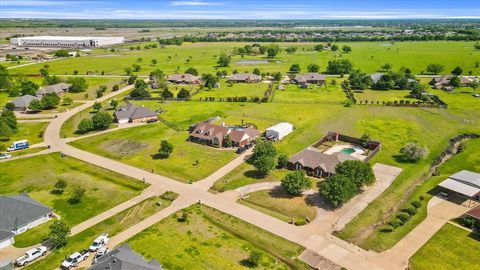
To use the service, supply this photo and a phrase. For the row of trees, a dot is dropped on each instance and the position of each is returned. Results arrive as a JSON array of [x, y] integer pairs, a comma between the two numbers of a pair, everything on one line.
[[48, 101], [99, 121]]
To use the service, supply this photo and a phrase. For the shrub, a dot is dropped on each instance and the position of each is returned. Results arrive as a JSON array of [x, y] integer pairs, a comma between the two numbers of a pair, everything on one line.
[[469, 222], [85, 126], [254, 258], [183, 218], [296, 182], [282, 161], [412, 211], [395, 223], [77, 195], [421, 198], [300, 221], [387, 228], [403, 217], [416, 204], [413, 152], [102, 120]]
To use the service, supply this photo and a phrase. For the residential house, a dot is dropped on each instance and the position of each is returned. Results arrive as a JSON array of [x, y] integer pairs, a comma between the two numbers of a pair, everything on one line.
[[310, 78], [317, 163], [22, 103], [464, 183], [444, 81], [124, 258], [20, 213], [184, 79], [376, 77], [133, 114], [59, 89], [215, 135], [245, 78]]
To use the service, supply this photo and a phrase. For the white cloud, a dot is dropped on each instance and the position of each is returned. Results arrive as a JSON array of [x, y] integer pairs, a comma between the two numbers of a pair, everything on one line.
[[43, 3], [194, 3]]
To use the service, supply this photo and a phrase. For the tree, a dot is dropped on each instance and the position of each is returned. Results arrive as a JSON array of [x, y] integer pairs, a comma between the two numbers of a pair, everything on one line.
[[282, 161], [209, 80], [132, 79], [192, 71], [183, 93], [78, 84], [313, 68], [455, 82], [85, 126], [35, 105], [254, 258], [359, 172], [50, 100], [474, 86], [167, 93], [477, 46], [413, 152], [295, 183], [61, 53], [318, 47], [339, 66], [166, 148], [60, 186], [10, 106], [360, 80], [154, 61], [97, 106], [457, 71], [273, 50], [29, 88], [263, 148], [365, 140], [77, 195], [115, 88], [337, 189], [346, 49], [291, 50], [101, 120], [8, 117], [277, 76], [136, 67], [5, 131], [264, 164], [224, 60], [67, 101], [59, 231], [5, 79], [435, 68], [386, 66], [140, 90], [334, 47], [227, 141], [256, 71], [295, 68], [114, 103]]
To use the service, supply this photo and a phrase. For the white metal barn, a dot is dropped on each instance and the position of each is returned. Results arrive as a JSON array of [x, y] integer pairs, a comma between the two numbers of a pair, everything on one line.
[[279, 131]]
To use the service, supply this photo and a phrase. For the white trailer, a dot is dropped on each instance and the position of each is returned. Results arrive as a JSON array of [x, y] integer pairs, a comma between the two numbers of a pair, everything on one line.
[[278, 131]]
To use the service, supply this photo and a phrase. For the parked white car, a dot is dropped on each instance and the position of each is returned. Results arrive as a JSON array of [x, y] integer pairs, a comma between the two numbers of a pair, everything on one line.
[[4, 156], [99, 242], [101, 251], [74, 259], [31, 255]]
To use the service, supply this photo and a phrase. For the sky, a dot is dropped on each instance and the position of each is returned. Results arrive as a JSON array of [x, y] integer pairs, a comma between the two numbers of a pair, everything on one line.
[[245, 9]]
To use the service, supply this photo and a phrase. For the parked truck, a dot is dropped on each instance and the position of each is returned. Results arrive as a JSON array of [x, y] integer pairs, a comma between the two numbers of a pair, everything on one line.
[[99, 242], [18, 145], [31, 255], [74, 259]]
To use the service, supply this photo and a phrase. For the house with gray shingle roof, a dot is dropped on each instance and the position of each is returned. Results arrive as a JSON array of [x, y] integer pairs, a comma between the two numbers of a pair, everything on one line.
[[184, 79], [245, 77], [133, 114], [310, 78], [124, 258], [20, 213], [59, 89], [22, 103]]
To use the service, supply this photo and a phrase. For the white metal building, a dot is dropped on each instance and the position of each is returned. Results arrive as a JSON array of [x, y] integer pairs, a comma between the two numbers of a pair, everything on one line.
[[65, 41], [279, 131]]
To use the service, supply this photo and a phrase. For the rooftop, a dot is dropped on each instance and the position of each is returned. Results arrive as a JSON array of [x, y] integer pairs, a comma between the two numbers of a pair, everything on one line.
[[19, 210]]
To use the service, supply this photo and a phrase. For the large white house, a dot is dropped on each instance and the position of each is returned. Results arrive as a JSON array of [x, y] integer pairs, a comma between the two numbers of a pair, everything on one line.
[[65, 41], [19, 213]]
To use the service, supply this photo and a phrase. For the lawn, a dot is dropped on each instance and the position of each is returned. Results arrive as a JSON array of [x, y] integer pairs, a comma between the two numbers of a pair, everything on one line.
[[369, 96], [243, 175], [210, 239], [279, 204], [327, 93], [450, 248], [138, 146], [249, 90], [104, 189], [94, 83], [367, 56], [112, 226], [33, 132]]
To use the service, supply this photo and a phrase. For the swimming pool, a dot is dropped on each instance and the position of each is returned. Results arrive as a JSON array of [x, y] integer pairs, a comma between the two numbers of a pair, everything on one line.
[[348, 151]]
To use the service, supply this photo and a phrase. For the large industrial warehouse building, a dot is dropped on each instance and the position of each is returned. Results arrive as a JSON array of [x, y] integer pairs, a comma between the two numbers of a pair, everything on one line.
[[63, 41]]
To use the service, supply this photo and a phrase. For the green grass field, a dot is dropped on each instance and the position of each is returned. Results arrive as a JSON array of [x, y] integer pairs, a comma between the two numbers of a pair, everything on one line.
[[327, 93], [367, 56], [210, 239], [248, 90], [33, 132], [112, 226], [279, 204], [450, 248], [104, 189], [138, 147]]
